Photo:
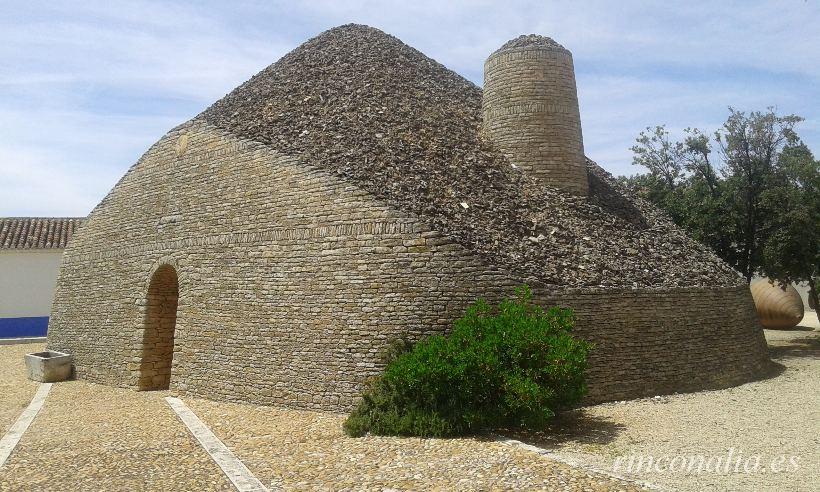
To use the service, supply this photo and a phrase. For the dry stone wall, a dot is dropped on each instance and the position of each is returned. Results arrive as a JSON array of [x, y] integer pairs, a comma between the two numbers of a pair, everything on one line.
[[530, 108], [379, 114], [292, 281]]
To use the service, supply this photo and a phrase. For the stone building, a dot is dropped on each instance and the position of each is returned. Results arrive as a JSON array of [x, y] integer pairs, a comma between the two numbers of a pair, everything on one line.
[[31, 249], [357, 191]]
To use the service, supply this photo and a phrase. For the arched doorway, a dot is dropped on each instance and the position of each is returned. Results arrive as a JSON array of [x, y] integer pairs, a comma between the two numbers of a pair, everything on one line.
[[159, 323]]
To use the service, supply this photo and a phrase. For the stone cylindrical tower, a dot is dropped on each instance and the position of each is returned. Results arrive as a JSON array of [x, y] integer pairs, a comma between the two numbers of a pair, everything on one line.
[[531, 112]]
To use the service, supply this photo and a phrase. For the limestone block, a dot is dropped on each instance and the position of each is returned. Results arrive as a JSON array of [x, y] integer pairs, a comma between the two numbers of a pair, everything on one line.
[[48, 366]]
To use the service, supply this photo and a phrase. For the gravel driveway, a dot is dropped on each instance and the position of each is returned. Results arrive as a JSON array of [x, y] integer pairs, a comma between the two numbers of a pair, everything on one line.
[[92, 437], [15, 390], [307, 451], [773, 418]]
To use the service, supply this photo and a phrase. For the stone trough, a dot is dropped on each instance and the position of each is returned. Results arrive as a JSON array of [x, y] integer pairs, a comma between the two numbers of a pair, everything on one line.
[[48, 366]]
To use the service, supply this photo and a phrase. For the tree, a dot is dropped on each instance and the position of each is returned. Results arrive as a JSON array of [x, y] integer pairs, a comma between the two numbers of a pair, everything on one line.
[[791, 252], [756, 205], [695, 151], [674, 163], [684, 182], [656, 153], [751, 147]]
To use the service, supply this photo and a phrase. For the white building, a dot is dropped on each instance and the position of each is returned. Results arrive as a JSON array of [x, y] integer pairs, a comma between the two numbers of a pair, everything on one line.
[[31, 249]]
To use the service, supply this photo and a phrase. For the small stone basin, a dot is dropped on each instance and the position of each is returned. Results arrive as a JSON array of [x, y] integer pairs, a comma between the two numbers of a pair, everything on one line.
[[48, 366]]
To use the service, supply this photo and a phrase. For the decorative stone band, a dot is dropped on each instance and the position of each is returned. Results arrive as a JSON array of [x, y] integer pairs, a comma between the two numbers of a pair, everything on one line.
[[259, 237], [503, 57], [528, 108]]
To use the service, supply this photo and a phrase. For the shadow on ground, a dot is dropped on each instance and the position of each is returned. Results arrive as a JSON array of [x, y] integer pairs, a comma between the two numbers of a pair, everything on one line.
[[808, 346], [576, 426], [793, 328]]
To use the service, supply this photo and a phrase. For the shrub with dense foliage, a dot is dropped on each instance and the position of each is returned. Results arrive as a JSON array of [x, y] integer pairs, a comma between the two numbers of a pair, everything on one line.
[[509, 366]]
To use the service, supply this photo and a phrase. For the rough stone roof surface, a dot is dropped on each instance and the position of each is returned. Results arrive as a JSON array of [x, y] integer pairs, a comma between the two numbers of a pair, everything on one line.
[[531, 40], [37, 232], [372, 110]]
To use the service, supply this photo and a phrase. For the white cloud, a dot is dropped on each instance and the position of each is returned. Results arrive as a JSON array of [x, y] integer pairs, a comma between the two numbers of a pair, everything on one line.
[[63, 162], [34, 186], [86, 87]]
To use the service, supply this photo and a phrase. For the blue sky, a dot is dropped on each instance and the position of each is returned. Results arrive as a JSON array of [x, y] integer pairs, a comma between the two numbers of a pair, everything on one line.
[[87, 86]]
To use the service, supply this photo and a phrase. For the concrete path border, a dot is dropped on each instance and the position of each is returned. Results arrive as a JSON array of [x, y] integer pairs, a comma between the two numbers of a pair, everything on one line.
[[575, 463], [234, 469], [21, 425]]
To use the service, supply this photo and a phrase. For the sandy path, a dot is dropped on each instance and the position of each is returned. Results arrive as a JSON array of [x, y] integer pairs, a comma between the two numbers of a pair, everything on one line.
[[93, 437], [771, 418], [302, 450], [16, 390]]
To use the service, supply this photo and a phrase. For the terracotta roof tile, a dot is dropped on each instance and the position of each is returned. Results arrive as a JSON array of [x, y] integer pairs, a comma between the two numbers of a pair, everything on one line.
[[37, 232]]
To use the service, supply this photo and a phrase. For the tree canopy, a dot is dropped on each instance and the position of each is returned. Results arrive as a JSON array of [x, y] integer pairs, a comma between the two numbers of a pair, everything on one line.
[[751, 192]]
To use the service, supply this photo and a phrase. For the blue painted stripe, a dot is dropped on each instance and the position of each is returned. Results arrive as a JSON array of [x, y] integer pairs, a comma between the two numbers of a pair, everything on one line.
[[23, 327]]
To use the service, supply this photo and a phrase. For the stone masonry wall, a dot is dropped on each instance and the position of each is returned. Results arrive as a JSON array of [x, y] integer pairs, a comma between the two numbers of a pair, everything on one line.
[[291, 282], [530, 107]]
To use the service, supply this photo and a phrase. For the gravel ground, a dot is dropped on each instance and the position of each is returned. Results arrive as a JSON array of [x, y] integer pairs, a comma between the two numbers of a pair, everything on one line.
[[92, 437], [15, 390], [302, 450], [775, 417]]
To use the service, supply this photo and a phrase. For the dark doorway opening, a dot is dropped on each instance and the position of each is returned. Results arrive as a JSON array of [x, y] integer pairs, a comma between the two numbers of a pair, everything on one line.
[[160, 321]]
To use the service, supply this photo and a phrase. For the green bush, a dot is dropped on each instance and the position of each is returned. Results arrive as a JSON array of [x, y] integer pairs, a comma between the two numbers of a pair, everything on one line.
[[511, 366]]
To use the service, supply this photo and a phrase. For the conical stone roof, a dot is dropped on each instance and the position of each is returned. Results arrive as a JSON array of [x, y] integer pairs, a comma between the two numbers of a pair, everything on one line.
[[372, 110], [527, 40]]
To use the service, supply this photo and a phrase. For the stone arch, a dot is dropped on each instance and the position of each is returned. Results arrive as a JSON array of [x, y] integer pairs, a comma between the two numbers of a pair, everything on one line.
[[159, 325]]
